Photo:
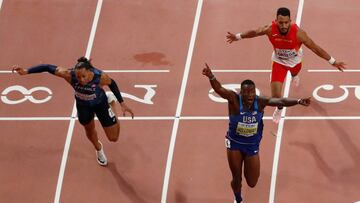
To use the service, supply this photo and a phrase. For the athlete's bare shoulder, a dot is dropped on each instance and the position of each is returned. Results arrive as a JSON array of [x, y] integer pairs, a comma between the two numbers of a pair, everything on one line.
[[63, 72], [265, 30]]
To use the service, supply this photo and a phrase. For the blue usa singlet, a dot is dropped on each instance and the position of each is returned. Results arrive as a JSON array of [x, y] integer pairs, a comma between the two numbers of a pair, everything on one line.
[[247, 126], [90, 94]]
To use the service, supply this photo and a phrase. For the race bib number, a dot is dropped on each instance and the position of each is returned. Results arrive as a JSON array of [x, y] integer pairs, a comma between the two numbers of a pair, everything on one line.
[[246, 129], [227, 143], [111, 113], [285, 53]]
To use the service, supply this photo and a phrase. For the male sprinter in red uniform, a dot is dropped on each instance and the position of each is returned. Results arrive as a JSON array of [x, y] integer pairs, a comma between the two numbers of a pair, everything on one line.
[[286, 38]]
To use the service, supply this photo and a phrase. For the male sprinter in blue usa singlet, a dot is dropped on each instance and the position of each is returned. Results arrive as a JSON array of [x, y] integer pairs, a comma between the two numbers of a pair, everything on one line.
[[243, 138], [245, 129]]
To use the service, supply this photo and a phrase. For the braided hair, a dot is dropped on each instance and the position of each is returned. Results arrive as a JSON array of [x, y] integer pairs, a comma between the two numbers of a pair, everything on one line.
[[83, 62]]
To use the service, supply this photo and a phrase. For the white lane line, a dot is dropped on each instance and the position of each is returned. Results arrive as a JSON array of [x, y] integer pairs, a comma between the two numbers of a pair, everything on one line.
[[112, 71], [136, 71], [242, 71], [332, 70], [282, 120], [217, 71], [180, 102], [181, 118], [74, 111], [65, 155]]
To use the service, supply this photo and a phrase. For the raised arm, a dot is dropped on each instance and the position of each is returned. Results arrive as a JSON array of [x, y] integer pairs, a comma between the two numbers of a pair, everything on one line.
[[309, 43], [55, 70], [264, 30], [215, 84]]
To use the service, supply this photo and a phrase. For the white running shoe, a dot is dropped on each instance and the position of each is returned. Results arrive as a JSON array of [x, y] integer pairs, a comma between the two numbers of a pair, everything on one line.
[[277, 115], [101, 157], [296, 80]]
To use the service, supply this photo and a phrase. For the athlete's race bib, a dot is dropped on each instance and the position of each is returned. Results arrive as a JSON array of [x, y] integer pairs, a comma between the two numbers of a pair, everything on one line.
[[285, 53], [85, 97], [246, 129]]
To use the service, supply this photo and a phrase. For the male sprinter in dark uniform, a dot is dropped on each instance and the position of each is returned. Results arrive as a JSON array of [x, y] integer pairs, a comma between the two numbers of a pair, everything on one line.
[[91, 99], [243, 138]]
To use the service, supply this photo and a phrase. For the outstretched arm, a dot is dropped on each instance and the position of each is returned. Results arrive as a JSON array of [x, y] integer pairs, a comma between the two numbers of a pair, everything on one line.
[[309, 43], [55, 70], [215, 84], [284, 101], [106, 80], [231, 37]]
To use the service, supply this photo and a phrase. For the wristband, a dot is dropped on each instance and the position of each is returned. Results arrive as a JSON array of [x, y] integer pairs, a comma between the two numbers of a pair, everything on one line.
[[238, 36], [298, 101], [212, 78], [331, 60]]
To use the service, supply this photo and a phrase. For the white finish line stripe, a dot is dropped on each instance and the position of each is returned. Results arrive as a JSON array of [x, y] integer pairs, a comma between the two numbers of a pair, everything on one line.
[[241, 71], [180, 102], [181, 118], [282, 120], [74, 110]]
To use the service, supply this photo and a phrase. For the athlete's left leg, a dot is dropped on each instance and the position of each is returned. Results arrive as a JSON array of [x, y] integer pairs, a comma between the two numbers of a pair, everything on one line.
[[112, 132], [235, 160], [252, 169], [108, 118]]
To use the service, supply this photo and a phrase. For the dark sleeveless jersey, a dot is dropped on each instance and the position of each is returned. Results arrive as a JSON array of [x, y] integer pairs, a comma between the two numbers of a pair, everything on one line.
[[90, 94]]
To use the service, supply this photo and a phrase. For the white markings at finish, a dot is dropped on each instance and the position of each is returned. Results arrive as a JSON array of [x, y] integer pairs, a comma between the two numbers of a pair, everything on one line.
[[136, 71], [149, 94], [341, 98], [147, 99], [241, 71], [115, 71], [281, 123], [332, 70], [180, 102], [181, 118], [26, 93], [74, 111]]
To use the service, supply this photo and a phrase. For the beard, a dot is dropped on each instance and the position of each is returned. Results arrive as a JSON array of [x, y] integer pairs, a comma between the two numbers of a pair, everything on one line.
[[283, 31]]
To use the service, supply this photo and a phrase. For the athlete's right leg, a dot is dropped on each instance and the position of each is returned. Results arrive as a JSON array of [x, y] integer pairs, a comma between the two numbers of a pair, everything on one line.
[[235, 160], [91, 134], [252, 169], [295, 74], [86, 118], [278, 75]]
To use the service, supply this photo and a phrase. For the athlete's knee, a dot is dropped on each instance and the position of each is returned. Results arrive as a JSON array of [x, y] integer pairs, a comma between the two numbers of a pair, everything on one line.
[[252, 183], [252, 179], [113, 137], [276, 94], [89, 127], [236, 182]]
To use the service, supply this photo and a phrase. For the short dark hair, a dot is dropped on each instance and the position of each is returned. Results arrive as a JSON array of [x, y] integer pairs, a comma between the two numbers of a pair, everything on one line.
[[83, 62], [247, 82], [283, 11]]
